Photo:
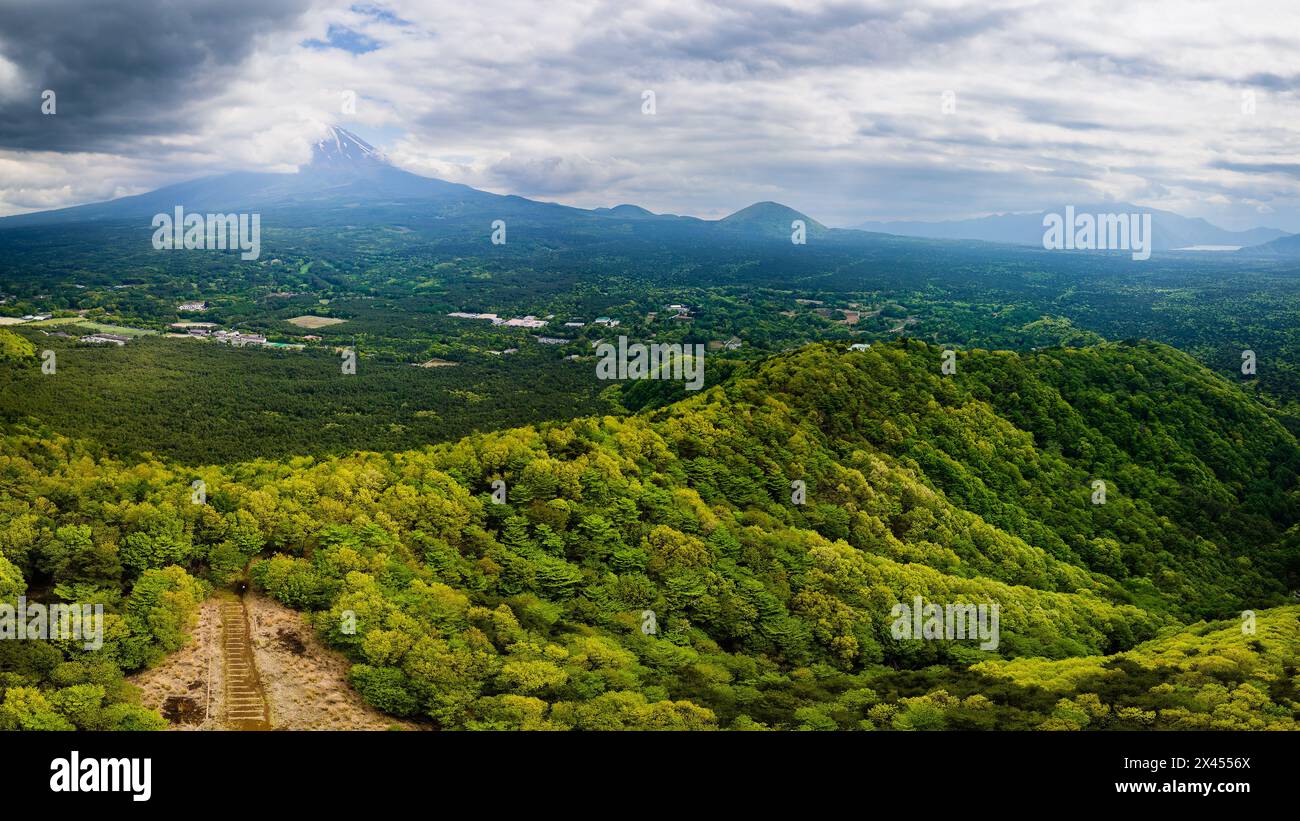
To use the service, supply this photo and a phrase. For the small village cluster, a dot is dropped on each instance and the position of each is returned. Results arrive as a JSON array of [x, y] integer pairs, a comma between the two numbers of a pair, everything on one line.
[[235, 338], [119, 336], [531, 321], [104, 338], [196, 330]]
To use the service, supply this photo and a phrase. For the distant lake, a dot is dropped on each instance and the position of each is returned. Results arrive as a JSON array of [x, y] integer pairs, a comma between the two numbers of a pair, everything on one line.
[[1210, 248]]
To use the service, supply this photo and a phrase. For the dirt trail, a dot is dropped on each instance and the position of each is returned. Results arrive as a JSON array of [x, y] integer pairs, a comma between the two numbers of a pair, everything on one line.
[[245, 703], [253, 663]]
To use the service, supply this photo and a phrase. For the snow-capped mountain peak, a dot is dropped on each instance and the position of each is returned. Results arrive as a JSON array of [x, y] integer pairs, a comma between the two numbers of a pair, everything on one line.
[[339, 146]]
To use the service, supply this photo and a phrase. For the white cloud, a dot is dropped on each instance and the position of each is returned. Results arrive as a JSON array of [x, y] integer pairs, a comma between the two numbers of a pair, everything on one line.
[[833, 108]]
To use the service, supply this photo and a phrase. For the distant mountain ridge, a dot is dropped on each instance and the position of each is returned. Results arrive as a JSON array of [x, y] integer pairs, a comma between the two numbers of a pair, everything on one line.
[[1170, 231], [1288, 246], [349, 181], [771, 216], [344, 172]]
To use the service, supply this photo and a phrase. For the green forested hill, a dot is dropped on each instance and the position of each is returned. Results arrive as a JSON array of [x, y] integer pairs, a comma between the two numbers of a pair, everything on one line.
[[975, 487], [14, 347]]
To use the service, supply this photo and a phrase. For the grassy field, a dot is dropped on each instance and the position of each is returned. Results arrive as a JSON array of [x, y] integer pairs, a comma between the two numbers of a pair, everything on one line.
[[102, 327], [115, 329], [58, 320]]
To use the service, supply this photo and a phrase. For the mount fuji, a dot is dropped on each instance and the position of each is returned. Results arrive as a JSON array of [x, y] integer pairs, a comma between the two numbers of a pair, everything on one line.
[[350, 182], [346, 180]]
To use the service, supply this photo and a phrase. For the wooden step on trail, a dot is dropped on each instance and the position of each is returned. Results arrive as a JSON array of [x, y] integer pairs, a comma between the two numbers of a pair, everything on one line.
[[245, 702]]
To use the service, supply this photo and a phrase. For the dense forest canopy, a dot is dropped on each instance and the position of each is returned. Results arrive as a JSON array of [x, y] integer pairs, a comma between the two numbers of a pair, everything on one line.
[[390, 287], [975, 486]]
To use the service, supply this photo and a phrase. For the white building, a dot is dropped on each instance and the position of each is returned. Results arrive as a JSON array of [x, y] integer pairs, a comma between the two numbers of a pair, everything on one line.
[[463, 315], [529, 321], [106, 339]]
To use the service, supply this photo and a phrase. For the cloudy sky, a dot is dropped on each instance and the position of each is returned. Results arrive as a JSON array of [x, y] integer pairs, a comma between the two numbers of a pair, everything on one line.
[[848, 111]]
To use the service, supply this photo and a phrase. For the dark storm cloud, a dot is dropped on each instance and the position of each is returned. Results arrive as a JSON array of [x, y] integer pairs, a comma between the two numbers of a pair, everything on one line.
[[122, 70]]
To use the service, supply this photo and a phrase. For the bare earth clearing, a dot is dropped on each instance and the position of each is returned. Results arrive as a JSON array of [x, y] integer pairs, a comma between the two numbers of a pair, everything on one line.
[[302, 683], [309, 321]]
